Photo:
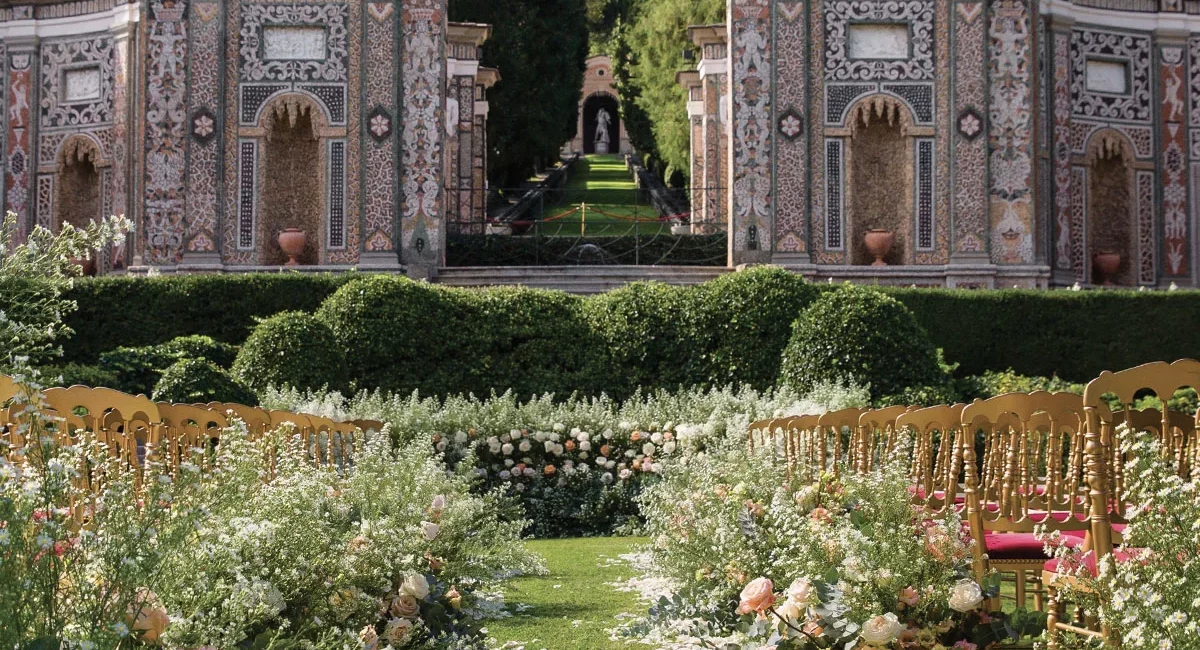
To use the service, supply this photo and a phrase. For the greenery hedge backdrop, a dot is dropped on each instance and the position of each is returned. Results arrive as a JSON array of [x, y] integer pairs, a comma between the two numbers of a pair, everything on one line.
[[399, 335]]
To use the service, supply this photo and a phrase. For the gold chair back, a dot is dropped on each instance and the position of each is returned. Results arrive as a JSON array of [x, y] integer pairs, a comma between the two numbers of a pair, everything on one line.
[[935, 467]]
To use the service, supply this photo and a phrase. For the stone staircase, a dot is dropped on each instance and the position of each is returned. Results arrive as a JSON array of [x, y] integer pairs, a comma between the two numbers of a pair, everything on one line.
[[575, 279]]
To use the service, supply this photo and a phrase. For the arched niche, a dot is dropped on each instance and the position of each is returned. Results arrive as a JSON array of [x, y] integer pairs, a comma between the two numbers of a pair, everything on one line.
[[880, 177], [293, 177], [591, 109], [1111, 205], [78, 199]]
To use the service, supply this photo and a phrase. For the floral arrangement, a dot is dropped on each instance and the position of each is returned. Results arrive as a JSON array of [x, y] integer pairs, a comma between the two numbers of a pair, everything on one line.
[[387, 551], [760, 562], [575, 466], [1149, 598]]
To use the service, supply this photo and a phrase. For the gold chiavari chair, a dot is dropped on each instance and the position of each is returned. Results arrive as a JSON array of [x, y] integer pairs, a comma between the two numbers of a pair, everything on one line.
[[113, 418], [188, 427], [935, 467], [836, 430], [257, 420], [375, 426], [1105, 467], [1031, 477], [875, 437]]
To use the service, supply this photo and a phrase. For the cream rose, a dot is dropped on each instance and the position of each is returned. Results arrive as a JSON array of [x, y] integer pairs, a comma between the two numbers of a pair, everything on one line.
[[758, 596], [790, 611], [396, 630], [881, 630], [368, 637], [802, 591], [430, 530], [439, 503], [404, 606], [966, 595], [416, 586]]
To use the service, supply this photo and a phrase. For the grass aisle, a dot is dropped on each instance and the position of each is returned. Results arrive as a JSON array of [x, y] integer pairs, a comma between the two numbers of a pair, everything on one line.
[[572, 608], [606, 186]]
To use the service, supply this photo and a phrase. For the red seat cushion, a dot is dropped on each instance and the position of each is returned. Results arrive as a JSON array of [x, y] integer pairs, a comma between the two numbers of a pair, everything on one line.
[[1024, 546], [1088, 560]]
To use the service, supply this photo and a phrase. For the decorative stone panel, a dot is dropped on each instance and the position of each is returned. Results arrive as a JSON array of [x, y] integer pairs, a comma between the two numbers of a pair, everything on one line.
[[1011, 134], [751, 62], [791, 163], [1130, 50], [916, 15], [77, 82]]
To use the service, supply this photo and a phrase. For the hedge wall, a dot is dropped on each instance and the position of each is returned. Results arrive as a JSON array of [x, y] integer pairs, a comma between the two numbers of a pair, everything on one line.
[[733, 329], [133, 312]]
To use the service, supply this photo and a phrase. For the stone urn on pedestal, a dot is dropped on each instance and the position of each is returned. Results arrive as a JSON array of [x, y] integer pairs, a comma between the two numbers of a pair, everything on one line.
[[879, 244], [1107, 263], [292, 241]]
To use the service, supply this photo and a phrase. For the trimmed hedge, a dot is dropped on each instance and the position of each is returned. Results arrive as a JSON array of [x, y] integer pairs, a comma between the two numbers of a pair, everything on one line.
[[137, 311], [730, 330], [190, 381], [137, 370]]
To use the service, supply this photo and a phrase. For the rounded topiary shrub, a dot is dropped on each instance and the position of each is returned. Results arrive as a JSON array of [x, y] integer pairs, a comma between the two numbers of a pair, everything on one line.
[[741, 322], [190, 381], [857, 334], [402, 335], [291, 349], [201, 347], [642, 328]]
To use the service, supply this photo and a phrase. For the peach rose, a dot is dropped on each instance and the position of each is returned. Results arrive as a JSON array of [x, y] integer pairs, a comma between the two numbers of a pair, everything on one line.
[[404, 606], [149, 616], [909, 596], [549, 470], [369, 638], [757, 596]]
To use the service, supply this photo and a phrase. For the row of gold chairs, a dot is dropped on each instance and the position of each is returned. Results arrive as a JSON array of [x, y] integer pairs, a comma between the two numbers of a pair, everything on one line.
[[133, 427], [1011, 464]]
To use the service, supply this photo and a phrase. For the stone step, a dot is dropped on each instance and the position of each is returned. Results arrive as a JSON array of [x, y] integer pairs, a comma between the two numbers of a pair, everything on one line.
[[576, 279]]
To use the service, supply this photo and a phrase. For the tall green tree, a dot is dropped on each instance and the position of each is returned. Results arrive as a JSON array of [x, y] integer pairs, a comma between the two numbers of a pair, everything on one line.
[[656, 42], [540, 48]]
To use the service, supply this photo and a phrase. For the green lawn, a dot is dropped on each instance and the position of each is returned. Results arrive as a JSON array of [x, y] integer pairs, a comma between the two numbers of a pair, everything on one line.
[[599, 184], [572, 608]]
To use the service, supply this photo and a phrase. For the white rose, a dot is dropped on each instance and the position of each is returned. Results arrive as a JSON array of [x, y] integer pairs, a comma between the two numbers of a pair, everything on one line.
[[584, 436], [583, 467], [790, 612], [610, 464], [460, 437], [656, 438], [560, 427], [416, 586], [508, 462], [506, 438], [575, 431], [493, 440], [629, 453], [669, 448], [430, 530], [441, 445], [584, 445], [648, 449], [607, 478], [601, 460], [540, 436], [507, 448], [505, 474], [625, 473], [966, 595], [525, 446], [608, 433], [529, 471], [396, 630], [439, 503], [495, 448], [550, 447], [520, 487], [881, 630], [801, 591], [583, 455]]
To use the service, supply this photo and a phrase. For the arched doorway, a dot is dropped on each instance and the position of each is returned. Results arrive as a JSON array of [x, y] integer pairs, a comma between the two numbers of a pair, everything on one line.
[[293, 178], [78, 196], [1110, 207], [592, 120], [879, 177]]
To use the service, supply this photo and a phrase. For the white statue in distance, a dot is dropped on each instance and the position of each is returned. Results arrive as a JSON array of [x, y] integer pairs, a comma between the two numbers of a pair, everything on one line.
[[603, 119]]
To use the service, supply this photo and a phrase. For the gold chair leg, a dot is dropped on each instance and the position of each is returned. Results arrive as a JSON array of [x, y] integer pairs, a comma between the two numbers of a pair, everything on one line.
[[1020, 587], [1052, 613]]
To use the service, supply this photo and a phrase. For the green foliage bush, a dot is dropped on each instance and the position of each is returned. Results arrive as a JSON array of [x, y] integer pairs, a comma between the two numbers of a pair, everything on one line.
[[740, 323], [292, 349], [138, 369], [991, 384], [860, 335], [136, 311], [641, 326], [190, 381], [76, 374]]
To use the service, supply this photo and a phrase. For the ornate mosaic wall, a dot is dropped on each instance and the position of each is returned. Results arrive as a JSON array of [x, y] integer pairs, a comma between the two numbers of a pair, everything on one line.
[[791, 161], [379, 165], [970, 143], [424, 71], [1173, 169], [750, 89], [1011, 128]]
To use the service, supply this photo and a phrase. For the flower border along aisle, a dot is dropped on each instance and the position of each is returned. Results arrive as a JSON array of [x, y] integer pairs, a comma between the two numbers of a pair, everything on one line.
[[865, 568]]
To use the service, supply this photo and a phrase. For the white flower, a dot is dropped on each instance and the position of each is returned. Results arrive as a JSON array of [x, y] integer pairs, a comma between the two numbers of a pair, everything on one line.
[[525, 446], [881, 630], [508, 462], [600, 460], [460, 437], [608, 433], [559, 427], [505, 474], [44, 541], [801, 591], [625, 473], [495, 448], [584, 445], [629, 453], [966, 595], [439, 503], [669, 447], [648, 449], [120, 629], [507, 448], [493, 440], [607, 478], [656, 438], [529, 471], [430, 530], [550, 447], [416, 586], [441, 445], [610, 464]]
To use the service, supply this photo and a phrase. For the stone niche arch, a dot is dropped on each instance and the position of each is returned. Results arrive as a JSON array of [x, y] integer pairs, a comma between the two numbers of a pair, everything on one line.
[[591, 108], [78, 188], [881, 176], [1111, 205], [293, 176]]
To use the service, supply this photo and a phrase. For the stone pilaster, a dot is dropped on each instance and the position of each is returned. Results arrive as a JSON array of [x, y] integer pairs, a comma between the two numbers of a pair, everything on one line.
[[1012, 103], [1066, 240], [750, 75], [690, 81], [423, 63], [969, 204], [204, 139], [21, 130], [161, 227], [792, 128], [486, 78], [1173, 167]]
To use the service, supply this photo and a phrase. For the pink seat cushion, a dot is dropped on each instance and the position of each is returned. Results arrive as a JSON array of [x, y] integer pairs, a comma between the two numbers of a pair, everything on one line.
[[1089, 560], [1024, 546], [940, 495]]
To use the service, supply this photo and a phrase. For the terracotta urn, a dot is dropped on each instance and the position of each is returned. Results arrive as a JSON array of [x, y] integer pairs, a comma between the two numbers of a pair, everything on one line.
[[1107, 264], [292, 242], [879, 243]]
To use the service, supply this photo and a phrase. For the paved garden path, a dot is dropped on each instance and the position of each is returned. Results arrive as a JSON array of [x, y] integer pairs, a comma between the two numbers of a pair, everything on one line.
[[574, 606], [600, 199]]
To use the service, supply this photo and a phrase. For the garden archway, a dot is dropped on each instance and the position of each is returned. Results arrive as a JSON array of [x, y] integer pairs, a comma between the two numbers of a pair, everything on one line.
[[591, 111]]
